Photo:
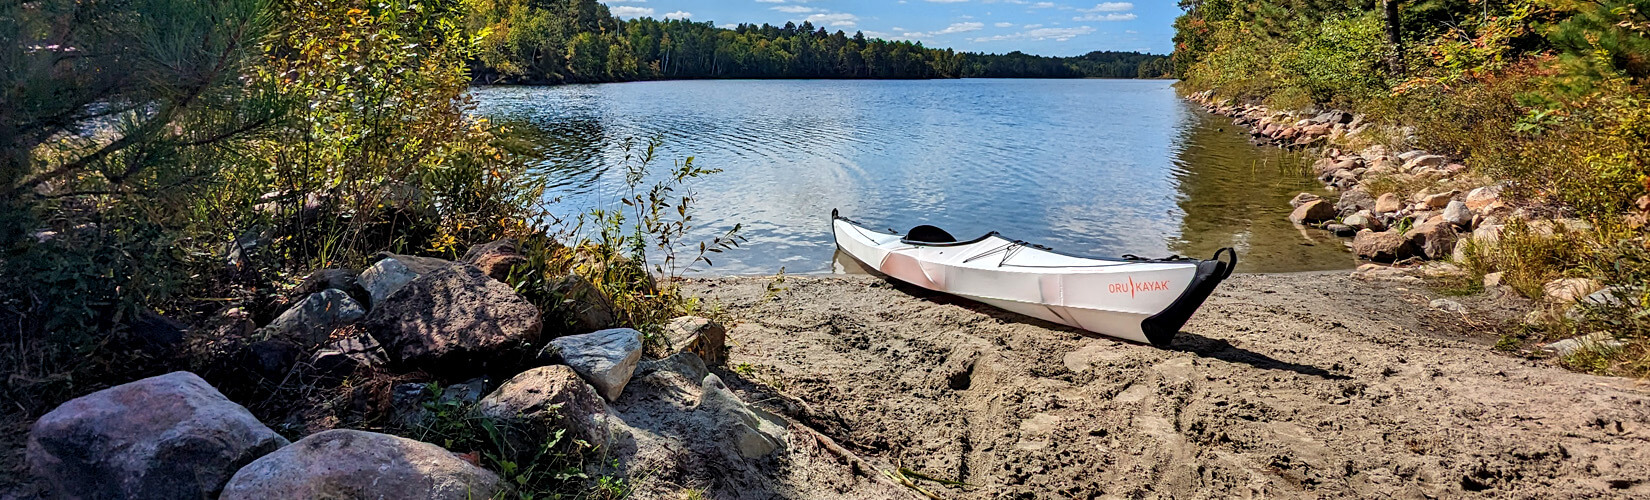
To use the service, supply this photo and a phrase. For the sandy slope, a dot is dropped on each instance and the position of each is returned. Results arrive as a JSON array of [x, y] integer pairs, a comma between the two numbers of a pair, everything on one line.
[[1283, 386]]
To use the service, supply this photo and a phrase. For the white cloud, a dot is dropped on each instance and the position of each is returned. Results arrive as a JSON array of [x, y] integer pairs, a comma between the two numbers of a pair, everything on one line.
[[954, 28], [628, 11], [1004, 25], [794, 9], [770, 1], [1110, 7], [834, 19], [1056, 34], [1042, 5], [1032, 26], [680, 14], [1106, 17], [947, 1]]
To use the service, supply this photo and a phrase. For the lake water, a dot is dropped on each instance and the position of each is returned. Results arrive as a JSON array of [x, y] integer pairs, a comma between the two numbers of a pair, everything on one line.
[[1093, 167]]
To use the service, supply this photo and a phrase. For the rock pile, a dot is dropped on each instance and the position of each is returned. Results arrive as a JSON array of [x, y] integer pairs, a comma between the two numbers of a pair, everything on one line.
[[1286, 129], [1434, 223], [176, 436]]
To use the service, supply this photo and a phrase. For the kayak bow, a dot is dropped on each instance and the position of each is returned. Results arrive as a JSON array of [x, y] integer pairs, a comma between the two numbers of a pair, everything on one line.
[[1143, 300]]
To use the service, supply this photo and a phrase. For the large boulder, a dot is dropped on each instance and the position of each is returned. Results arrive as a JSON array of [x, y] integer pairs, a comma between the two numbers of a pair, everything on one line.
[[1384, 246], [536, 402], [1312, 211], [1434, 238], [605, 358], [1301, 199], [496, 258], [454, 320], [1388, 203], [343, 463], [1354, 201], [394, 271], [312, 320], [752, 434], [700, 336], [171, 436]]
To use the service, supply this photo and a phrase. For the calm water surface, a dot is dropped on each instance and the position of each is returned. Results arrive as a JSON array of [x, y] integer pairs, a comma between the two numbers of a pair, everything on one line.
[[1094, 167]]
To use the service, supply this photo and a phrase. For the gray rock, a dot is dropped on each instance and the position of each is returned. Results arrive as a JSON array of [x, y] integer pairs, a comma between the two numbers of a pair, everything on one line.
[[342, 358], [1340, 229], [1301, 199], [536, 402], [394, 271], [1448, 305], [166, 437], [1353, 201], [407, 408], [1409, 155], [343, 463], [1312, 211], [752, 433], [605, 358], [1596, 341], [384, 278], [343, 280], [1363, 220], [701, 336], [1457, 214], [312, 320], [456, 321]]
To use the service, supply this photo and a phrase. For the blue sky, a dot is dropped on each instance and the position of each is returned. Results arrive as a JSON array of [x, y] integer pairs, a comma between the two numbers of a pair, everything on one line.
[[1055, 28]]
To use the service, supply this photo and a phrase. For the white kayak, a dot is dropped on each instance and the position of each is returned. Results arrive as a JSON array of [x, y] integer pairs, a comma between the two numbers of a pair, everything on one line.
[[1143, 300]]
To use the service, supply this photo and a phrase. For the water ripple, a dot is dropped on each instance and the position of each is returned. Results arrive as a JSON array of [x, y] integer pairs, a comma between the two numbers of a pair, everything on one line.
[[1088, 166]]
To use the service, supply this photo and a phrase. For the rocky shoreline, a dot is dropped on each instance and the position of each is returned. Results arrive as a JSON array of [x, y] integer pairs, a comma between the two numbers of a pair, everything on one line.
[[457, 348], [1399, 209]]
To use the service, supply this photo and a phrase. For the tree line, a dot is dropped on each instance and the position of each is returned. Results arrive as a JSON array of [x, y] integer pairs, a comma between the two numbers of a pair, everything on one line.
[[579, 41]]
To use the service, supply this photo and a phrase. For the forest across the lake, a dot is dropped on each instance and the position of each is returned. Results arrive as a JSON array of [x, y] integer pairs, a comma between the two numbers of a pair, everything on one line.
[[580, 41]]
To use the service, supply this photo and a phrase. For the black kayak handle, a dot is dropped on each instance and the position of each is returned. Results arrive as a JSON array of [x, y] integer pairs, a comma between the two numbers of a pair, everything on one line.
[[1229, 266]]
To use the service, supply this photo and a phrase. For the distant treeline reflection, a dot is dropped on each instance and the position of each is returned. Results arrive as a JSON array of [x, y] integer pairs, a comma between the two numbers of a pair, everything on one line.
[[579, 41]]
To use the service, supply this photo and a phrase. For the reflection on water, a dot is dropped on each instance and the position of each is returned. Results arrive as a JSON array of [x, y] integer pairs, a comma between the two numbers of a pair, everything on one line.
[[1098, 167]]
